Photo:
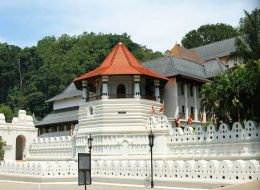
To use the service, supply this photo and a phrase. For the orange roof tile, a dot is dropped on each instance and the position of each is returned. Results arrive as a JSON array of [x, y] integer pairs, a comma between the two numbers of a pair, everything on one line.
[[183, 53], [120, 61]]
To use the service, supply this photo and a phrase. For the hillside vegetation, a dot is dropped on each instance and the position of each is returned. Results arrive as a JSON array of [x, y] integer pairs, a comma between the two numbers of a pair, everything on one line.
[[31, 75]]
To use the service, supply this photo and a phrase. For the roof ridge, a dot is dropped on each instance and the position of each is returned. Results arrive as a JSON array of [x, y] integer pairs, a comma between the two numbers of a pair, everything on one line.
[[127, 58], [212, 43], [116, 49]]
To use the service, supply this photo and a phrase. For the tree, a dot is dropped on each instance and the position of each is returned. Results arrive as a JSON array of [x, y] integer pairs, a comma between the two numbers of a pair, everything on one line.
[[2, 152], [208, 33], [235, 94], [248, 43], [7, 111], [37, 104], [31, 75]]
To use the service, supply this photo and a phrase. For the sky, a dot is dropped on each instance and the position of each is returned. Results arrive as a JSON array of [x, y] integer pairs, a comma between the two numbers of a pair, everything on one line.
[[157, 24]]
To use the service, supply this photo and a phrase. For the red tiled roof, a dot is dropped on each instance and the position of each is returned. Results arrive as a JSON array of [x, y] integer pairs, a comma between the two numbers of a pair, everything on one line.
[[183, 53], [120, 61]]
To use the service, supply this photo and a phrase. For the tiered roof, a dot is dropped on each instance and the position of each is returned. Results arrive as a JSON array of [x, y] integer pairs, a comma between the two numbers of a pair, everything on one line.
[[120, 61], [187, 54]]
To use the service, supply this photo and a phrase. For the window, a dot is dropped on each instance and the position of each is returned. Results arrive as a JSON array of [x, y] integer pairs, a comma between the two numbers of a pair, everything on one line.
[[191, 90], [191, 110], [182, 88], [199, 89], [121, 92], [183, 109]]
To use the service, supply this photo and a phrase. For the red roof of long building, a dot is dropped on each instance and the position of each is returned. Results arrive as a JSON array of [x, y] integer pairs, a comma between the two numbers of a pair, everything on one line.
[[120, 61]]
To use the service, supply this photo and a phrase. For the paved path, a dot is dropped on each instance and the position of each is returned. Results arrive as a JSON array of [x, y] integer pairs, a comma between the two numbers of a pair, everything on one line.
[[69, 186]]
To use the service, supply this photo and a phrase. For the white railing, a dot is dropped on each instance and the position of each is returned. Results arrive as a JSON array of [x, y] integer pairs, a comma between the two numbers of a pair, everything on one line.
[[46, 169], [210, 171], [51, 147], [210, 134]]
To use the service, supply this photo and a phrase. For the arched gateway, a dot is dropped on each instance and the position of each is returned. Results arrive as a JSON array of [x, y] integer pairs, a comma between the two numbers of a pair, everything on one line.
[[20, 147]]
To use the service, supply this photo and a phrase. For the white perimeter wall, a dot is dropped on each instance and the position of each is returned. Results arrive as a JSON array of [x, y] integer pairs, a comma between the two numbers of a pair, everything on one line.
[[21, 125]]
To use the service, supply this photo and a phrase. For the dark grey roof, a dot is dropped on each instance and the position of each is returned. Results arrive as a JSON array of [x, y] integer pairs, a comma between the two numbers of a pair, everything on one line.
[[70, 91], [214, 68], [65, 115], [216, 49], [171, 66], [35, 120]]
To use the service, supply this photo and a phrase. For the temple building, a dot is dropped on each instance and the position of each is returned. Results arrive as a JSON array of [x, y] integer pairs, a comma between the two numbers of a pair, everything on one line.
[[121, 75], [118, 104]]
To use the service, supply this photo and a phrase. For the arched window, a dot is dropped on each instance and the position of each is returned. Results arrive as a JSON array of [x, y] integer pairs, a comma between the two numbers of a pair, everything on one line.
[[20, 147], [121, 91]]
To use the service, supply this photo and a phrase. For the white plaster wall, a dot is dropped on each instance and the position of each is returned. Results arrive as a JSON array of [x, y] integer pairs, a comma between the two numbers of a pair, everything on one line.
[[21, 125], [65, 103], [231, 62]]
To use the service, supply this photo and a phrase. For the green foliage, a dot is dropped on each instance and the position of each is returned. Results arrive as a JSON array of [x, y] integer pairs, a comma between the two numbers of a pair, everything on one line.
[[7, 111], [207, 34], [248, 43], [2, 152], [235, 94], [32, 75]]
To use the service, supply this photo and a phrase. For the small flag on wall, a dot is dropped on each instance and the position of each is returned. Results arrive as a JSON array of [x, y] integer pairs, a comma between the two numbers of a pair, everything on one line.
[[153, 109], [162, 108], [178, 121]]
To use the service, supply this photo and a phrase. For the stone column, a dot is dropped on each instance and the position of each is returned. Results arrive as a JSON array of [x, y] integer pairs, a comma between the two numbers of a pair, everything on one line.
[[157, 90], [204, 116], [104, 87], [186, 101], [195, 103], [175, 99], [137, 92], [85, 90]]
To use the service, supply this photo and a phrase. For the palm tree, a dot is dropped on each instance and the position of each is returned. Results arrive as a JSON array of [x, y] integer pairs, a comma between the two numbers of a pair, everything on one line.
[[248, 43]]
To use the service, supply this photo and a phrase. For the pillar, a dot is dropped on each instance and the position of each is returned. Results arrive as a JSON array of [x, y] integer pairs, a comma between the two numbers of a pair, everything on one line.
[[137, 92], [175, 99], [104, 87], [186, 101], [85, 90], [157, 90], [195, 103], [204, 116]]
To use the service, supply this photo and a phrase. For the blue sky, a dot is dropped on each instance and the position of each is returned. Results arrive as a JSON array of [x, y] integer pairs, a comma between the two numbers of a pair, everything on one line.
[[156, 24]]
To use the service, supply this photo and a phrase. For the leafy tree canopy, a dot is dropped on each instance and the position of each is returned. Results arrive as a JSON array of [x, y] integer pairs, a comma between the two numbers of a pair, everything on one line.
[[248, 43], [7, 111], [31, 75], [207, 34], [235, 94]]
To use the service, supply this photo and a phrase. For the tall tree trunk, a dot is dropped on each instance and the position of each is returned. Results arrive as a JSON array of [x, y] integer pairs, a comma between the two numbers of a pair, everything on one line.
[[20, 75]]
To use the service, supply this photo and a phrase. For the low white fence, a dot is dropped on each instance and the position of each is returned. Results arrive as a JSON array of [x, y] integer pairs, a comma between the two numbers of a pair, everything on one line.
[[210, 171], [47, 169]]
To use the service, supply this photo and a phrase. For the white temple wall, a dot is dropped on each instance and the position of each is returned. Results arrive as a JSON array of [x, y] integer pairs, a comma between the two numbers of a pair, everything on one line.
[[22, 130], [202, 155], [115, 115]]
